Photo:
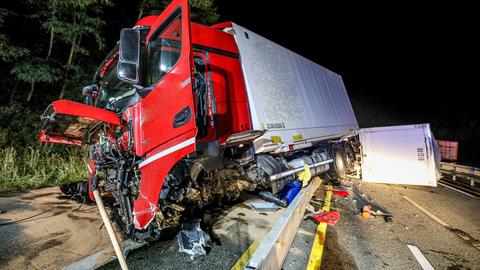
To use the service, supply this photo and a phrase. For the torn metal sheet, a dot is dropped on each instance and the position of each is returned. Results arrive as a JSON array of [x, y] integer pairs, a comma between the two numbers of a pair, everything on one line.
[[192, 240]]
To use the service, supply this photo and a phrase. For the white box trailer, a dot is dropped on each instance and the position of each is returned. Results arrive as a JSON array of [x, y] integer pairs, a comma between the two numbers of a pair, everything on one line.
[[293, 99], [298, 102], [405, 154]]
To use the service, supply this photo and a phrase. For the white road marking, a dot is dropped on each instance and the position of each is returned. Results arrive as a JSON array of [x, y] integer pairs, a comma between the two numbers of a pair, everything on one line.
[[443, 223], [457, 190], [424, 263]]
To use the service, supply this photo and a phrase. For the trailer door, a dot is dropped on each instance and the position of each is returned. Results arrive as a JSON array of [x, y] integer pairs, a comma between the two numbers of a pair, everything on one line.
[[399, 155]]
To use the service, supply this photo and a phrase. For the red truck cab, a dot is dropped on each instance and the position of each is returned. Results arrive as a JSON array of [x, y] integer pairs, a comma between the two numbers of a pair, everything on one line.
[[171, 87]]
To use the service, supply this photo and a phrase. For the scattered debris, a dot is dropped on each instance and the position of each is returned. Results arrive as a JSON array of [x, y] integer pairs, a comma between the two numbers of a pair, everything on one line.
[[317, 205], [264, 206], [366, 209], [341, 193], [269, 197], [290, 190], [338, 192], [387, 217], [330, 217], [310, 208], [78, 191], [193, 240]]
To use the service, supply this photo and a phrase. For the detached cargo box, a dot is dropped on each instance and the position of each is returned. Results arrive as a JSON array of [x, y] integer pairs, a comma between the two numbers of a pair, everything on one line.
[[400, 155], [293, 99]]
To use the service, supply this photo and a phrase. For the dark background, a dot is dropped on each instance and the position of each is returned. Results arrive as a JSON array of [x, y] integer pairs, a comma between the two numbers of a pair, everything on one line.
[[402, 63]]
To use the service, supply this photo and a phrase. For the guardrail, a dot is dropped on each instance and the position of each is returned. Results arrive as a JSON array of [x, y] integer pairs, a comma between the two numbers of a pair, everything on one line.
[[471, 174], [274, 248]]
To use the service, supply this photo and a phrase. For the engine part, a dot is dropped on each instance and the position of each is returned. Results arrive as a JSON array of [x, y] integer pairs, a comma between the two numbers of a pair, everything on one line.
[[291, 172], [266, 166], [312, 159], [269, 164], [317, 161]]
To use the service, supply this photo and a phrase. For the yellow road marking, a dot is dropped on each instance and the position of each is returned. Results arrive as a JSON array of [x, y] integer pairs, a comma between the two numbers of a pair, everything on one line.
[[242, 261], [316, 253]]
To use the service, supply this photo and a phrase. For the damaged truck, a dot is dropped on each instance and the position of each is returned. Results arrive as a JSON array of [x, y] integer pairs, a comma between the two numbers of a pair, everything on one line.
[[182, 115]]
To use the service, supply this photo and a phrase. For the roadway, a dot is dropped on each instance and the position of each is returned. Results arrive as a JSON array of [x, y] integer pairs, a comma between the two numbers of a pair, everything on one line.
[[62, 235]]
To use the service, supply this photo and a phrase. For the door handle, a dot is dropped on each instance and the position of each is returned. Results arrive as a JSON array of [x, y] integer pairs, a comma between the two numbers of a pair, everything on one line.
[[182, 117]]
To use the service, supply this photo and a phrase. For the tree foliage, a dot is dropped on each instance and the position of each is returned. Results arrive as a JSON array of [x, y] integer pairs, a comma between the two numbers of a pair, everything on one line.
[[65, 39], [50, 49]]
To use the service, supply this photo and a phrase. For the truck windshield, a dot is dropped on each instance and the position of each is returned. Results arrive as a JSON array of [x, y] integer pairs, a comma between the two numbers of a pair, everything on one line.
[[112, 88]]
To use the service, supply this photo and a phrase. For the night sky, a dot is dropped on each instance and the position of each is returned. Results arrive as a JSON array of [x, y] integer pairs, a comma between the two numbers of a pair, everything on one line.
[[401, 64], [418, 63], [420, 58]]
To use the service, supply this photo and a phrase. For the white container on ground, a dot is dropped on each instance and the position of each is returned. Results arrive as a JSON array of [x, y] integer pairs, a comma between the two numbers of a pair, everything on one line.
[[399, 155]]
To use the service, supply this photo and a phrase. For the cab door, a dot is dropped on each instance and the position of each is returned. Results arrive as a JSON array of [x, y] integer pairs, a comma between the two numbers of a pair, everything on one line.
[[167, 113]]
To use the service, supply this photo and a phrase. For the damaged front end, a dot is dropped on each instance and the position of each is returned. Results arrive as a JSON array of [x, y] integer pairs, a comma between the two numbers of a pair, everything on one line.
[[147, 195]]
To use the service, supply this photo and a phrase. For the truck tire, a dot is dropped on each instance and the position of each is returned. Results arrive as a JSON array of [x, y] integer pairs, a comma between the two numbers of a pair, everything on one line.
[[349, 157], [339, 167]]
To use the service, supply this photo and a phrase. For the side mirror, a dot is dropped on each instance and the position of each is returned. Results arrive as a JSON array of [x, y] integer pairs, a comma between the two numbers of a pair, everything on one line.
[[129, 56]]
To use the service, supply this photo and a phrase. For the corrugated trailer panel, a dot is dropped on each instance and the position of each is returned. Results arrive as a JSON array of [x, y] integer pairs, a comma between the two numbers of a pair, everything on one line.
[[290, 96]]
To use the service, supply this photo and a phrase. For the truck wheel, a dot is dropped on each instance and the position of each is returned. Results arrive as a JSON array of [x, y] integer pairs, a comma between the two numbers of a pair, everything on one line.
[[339, 169], [350, 157]]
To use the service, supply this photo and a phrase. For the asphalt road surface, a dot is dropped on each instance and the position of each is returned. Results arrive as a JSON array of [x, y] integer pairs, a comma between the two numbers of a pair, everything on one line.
[[355, 243], [62, 235]]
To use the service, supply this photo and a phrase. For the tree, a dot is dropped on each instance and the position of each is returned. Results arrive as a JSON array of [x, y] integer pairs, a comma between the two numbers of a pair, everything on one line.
[[9, 52], [201, 11], [34, 70], [70, 21]]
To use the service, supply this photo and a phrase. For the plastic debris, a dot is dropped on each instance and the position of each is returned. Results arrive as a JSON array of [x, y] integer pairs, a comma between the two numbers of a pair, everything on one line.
[[330, 217], [386, 216], [77, 191], [366, 211], [192, 240], [341, 193], [305, 175], [290, 190], [338, 192]]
